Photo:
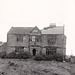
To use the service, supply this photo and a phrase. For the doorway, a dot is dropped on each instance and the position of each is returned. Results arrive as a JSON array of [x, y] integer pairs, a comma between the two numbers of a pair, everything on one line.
[[34, 52]]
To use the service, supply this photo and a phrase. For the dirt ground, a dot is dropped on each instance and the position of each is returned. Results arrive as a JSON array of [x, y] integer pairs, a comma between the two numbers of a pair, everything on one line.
[[28, 67]]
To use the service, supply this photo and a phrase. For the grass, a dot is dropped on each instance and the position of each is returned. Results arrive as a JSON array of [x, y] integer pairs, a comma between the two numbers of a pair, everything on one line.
[[27, 67]]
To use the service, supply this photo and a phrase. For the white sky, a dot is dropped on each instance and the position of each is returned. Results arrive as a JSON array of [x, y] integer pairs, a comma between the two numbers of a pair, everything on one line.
[[38, 13]]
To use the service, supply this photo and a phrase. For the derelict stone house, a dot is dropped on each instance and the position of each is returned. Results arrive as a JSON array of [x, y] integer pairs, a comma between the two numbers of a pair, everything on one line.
[[50, 40]]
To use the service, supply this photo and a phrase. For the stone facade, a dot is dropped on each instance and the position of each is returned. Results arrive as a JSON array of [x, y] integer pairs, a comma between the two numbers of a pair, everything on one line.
[[50, 40]]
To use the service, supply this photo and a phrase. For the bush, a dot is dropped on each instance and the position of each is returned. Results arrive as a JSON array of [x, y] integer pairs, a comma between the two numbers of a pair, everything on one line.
[[49, 57], [39, 58], [3, 55], [56, 57], [23, 55], [26, 55], [67, 58], [59, 57], [11, 55]]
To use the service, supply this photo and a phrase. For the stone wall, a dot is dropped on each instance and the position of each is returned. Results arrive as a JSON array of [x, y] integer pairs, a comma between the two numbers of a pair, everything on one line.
[[60, 43], [13, 42]]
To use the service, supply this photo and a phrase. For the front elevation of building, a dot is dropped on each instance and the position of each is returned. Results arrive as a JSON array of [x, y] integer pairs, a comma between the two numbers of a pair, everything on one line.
[[50, 40]]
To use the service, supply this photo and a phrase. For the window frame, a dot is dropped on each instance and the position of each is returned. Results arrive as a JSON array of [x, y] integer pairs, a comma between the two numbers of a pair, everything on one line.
[[33, 38], [51, 39], [50, 51], [19, 38]]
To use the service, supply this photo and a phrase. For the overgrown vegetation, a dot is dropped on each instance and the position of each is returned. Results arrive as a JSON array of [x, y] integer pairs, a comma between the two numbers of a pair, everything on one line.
[[2, 54], [14, 55], [39, 58], [49, 57], [26, 55], [56, 57]]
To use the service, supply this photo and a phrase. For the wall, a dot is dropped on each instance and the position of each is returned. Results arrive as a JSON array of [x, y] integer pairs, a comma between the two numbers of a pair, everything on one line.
[[44, 51], [44, 41], [60, 43], [13, 42], [26, 49]]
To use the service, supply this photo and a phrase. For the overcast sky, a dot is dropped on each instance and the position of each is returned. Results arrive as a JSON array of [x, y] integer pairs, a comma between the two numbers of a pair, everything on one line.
[[26, 13]]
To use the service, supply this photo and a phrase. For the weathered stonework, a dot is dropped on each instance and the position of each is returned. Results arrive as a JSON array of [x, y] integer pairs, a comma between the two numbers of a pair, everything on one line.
[[36, 41]]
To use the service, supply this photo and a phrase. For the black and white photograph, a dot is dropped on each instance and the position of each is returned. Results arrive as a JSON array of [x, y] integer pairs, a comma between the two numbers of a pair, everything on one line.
[[37, 37]]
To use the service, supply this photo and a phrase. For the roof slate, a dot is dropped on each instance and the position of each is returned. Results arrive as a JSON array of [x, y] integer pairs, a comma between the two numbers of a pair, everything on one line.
[[27, 30], [54, 30], [20, 30]]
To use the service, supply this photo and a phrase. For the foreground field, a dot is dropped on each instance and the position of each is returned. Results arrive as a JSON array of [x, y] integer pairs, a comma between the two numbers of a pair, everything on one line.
[[29, 67], [72, 68]]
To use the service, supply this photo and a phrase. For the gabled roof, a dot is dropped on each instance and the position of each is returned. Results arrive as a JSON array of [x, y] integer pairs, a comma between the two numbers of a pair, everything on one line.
[[20, 30], [53, 30], [36, 28], [27, 30]]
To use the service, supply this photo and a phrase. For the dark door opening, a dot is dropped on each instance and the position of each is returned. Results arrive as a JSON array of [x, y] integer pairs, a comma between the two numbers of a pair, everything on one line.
[[34, 52]]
